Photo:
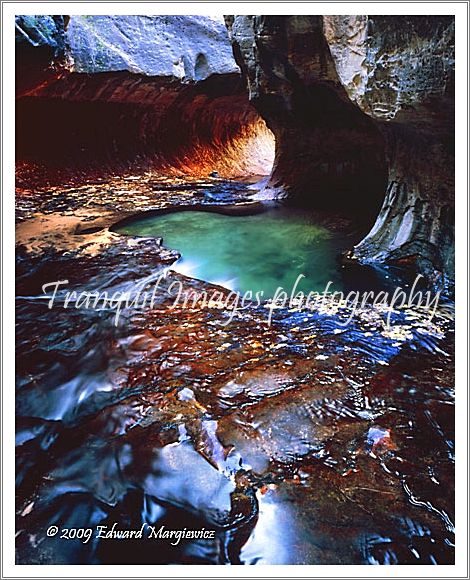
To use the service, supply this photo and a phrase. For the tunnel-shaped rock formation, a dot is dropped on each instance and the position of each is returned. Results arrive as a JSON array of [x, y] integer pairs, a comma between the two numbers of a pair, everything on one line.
[[329, 154], [95, 116], [108, 120]]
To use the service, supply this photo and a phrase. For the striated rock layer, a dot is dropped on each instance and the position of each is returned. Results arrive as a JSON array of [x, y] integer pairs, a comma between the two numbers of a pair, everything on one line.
[[119, 120], [159, 92], [361, 106]]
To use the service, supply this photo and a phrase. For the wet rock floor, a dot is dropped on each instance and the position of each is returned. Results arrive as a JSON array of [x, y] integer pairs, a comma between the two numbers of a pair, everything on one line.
[[300, 442]]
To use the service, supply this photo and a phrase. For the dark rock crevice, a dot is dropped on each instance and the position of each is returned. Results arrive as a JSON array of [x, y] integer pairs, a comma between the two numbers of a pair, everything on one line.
[[329, 154]]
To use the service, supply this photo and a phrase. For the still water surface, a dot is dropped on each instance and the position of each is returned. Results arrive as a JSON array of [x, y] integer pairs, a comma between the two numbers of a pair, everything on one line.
[[251, 252]]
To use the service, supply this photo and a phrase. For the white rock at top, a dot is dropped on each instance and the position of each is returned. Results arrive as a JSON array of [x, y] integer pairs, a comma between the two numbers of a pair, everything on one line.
[[185, 47]]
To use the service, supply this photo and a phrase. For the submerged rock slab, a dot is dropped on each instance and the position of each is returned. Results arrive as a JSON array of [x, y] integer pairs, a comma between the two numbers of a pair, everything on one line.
[[298, 442]]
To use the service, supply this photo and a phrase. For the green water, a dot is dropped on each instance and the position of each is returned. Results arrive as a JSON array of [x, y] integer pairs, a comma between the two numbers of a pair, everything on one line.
[[256, 252]]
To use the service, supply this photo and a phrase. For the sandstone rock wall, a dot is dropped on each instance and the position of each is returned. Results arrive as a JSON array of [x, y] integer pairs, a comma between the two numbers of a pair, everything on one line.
[[389, 64], [364, 101], [117, 92], [329, 153], [184, 47], [188, 48]]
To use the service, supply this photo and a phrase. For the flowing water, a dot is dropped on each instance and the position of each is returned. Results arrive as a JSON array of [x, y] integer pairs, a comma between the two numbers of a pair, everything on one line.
[[301, 442]]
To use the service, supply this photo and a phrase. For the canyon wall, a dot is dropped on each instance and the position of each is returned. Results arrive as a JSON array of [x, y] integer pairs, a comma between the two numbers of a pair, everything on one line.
[[361, 105], [361, 109], [134, 92]]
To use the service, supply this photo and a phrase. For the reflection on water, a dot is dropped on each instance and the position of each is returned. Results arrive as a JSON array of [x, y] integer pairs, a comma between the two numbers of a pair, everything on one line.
[[303, 442], [252, 252], [270, 542]]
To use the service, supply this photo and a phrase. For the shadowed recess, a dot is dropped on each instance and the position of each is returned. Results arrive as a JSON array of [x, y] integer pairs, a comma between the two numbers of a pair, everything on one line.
[[117, 120]]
